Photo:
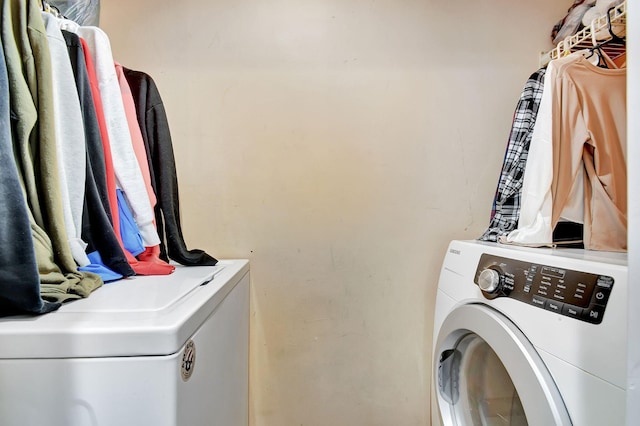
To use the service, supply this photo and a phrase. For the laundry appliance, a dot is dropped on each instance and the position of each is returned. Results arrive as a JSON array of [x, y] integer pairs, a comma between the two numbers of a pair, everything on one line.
[[156, 350], [531, 336]]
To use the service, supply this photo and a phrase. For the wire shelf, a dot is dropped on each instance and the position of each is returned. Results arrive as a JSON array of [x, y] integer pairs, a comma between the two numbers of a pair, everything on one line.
[[594, 34]]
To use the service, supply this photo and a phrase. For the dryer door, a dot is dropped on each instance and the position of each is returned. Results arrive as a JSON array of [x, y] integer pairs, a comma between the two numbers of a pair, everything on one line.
[[488, 373]]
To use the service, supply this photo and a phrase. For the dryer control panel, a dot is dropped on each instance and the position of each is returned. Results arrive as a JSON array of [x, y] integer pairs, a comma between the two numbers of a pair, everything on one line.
[[575, 294]]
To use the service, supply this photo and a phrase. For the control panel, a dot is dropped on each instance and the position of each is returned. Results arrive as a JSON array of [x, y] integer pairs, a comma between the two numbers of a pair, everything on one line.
[[575, 294]]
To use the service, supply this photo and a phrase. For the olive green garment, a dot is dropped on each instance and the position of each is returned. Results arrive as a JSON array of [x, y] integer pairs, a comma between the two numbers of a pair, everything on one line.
[[29, 67], [23, 110]]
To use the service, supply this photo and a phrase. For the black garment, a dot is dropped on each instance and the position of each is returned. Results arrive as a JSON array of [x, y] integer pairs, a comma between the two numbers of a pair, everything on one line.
[[154, 126], [97, 224], [19, 277]]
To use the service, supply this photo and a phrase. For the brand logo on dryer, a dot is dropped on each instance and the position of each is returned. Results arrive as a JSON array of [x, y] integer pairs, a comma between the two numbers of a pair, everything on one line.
[[188, 360]]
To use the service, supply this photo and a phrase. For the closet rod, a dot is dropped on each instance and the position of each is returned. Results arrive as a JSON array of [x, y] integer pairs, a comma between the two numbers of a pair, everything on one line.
[[588, 36]]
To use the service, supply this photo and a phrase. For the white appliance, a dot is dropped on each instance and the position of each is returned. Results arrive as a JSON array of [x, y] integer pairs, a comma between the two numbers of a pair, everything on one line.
[[530, 336], [157, 350]]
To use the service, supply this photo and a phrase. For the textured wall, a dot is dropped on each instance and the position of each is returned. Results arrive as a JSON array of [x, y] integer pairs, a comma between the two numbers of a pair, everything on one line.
[[339, 145]]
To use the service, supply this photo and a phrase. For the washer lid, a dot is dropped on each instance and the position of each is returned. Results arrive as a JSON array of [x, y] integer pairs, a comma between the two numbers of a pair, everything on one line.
[[142, 294], [143, 315]]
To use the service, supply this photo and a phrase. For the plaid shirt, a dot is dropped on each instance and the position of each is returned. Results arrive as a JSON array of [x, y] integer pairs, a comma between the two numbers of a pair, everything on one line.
[[506, 204]]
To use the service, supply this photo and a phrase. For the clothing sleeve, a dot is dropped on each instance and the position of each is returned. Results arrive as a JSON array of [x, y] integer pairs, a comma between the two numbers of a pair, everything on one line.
[[136, 135], [70, 140], [570, 133], [534, 226], [53, 253], [127, 171], [19, 278], [508, 194], [157, 138], [590, 143], [97, 225]]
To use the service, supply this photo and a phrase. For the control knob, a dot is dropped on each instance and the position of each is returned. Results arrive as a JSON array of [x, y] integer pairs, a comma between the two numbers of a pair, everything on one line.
[[489, 280]]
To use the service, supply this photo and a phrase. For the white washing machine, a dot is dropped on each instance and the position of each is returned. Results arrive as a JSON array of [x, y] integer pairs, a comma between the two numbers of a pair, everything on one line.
[[157, 350], [530, 336]]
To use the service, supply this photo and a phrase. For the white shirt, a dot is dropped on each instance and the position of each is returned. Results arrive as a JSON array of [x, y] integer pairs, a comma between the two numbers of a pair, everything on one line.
[[70, 139], [127, 170]]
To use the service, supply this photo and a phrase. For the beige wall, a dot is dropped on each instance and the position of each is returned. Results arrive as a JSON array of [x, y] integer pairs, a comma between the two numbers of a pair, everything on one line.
[[339, 145]]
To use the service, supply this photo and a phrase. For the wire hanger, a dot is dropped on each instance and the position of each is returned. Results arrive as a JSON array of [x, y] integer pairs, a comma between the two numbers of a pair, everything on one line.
[[48, 7], [615, 38], [604, 60]]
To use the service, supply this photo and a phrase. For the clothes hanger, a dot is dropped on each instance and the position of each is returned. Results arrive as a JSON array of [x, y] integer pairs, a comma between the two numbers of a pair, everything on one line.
[[614, 37], [604, 60], [49, 8]]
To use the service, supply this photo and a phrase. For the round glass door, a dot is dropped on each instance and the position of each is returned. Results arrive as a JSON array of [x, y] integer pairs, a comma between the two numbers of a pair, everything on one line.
[[488, 396], [488, 374]]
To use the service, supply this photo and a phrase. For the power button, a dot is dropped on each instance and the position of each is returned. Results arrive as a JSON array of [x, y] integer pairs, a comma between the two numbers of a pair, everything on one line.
[[601, 295]]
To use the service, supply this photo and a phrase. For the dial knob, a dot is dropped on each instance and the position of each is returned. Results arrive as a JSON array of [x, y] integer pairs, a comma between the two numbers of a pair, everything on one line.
[[489, 280]]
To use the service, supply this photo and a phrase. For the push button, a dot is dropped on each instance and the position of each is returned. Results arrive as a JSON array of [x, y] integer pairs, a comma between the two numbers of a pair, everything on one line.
[[554, 306], [539, 301], [572, 311], [604, 281], [593, 314], [601, 295]]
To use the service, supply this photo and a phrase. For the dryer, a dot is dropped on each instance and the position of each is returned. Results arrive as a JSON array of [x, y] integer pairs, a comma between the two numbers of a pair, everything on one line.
[[529, 336], [157, 350]]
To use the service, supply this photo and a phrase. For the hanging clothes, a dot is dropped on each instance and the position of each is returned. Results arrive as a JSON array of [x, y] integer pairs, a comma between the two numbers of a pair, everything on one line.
[[69, 133], [154, 126], [148, 263], [110, 177], [124, 165], [137, 141], [149, 254], [534, 223], [19, 278], [128, 174], [506, 211], [97, 225], [106, 145], [33, 134], [576, 169], [127, 171], [589, 133], [71, 147]]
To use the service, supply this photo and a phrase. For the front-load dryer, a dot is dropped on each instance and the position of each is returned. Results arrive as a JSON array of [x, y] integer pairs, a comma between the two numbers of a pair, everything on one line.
[[531, 336]]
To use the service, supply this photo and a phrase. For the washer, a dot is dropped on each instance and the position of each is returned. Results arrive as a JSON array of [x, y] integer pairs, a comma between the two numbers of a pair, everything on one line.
[[529, 336], [157, 350]]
